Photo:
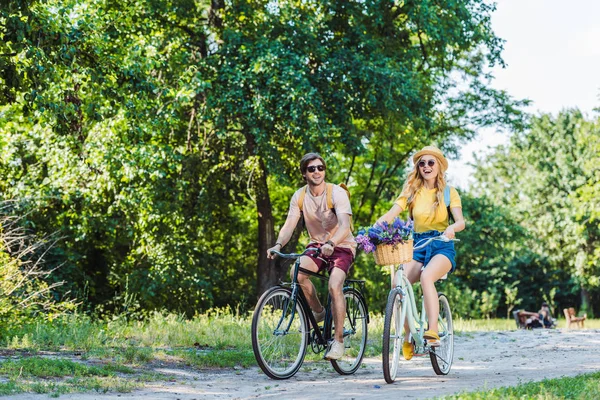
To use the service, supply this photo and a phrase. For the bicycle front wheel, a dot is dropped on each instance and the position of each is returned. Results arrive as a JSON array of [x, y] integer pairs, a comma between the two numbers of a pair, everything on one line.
[[442, 356], [279, 333], [355, 333], [393, 335]]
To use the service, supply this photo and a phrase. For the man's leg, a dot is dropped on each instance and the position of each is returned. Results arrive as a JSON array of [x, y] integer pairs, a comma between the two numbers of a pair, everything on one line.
[[338, 303], [307, 286], [338, 309]]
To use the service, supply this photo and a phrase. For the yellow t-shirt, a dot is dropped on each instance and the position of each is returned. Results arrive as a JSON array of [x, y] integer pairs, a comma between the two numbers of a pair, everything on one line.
[[425, 217]]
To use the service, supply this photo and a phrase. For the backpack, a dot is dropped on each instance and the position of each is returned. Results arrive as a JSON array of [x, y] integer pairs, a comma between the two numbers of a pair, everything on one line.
[[446, 202], [329, 199]]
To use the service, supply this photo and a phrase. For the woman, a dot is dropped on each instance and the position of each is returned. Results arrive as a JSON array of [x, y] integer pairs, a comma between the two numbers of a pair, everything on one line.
[[423, 195]]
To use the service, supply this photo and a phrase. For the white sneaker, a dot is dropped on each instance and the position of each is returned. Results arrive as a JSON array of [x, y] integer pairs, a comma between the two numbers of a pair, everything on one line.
[[335, 351], [319, 316]]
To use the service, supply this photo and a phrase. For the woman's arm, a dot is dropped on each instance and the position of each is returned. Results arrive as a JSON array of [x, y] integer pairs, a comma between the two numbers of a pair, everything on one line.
[[458, 225]]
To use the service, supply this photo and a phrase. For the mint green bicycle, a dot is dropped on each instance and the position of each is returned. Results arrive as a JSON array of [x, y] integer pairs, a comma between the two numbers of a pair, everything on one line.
[[401, 306]]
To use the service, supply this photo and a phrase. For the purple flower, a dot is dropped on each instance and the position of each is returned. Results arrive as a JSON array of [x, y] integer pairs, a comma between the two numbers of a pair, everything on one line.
[[368, 247], [384, 233]]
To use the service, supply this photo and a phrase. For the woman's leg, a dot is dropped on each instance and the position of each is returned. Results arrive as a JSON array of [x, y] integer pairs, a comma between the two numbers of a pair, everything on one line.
[[438, 266]]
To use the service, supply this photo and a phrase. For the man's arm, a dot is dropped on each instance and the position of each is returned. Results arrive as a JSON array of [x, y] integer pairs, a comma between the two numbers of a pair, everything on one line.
[[341, 233], [284, 234]]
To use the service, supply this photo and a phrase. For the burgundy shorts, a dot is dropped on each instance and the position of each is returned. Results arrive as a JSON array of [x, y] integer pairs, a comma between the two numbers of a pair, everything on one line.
[[341, 258]]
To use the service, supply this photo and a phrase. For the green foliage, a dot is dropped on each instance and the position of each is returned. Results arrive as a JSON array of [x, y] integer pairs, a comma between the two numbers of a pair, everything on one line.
[[25, 294], [160, 140], [545, 176]]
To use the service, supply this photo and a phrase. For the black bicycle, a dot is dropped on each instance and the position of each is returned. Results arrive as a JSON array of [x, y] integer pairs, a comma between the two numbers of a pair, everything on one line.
[[283, 325]]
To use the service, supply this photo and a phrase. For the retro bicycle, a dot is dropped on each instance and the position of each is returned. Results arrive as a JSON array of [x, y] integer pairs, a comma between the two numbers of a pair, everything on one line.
[[283, 326], [401, 306]]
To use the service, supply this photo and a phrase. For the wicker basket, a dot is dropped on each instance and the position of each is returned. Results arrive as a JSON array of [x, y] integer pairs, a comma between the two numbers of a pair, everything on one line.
[[394, 254]]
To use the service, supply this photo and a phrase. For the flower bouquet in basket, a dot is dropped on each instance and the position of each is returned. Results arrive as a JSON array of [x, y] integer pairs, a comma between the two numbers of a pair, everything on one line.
[[391, 243]]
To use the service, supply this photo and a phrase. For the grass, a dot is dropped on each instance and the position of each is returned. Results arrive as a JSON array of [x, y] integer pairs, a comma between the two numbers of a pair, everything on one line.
[[39, 375], [582, 387], [112, 355], [47, 367], [218, 339], [502, 324]]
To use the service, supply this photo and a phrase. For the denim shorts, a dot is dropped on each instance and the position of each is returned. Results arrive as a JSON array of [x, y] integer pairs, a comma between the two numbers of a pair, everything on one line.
[[434, 248]]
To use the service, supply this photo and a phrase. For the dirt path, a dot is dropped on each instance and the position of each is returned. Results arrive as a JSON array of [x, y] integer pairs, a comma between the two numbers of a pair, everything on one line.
[[482, 360]]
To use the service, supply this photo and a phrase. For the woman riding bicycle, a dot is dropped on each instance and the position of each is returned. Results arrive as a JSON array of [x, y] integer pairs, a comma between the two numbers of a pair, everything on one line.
[[423, 195]]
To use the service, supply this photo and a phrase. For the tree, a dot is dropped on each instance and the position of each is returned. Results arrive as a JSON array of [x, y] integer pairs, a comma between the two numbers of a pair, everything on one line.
[[159, 138], [349, 77], [545, 176]]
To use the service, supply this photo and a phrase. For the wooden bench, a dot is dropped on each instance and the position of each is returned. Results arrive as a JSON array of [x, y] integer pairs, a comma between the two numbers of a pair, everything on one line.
[[572, 318]]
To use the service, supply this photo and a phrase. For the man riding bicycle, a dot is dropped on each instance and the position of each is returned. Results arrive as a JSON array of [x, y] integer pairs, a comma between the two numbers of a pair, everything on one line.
[[327, 214]]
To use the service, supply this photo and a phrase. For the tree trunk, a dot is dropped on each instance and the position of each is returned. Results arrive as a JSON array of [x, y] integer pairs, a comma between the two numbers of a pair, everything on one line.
[[586, 303], [267, 273], [283, 266]]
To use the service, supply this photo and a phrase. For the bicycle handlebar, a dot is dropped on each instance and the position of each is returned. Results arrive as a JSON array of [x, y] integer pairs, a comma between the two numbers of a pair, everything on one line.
[[441, 238], [296, 255]]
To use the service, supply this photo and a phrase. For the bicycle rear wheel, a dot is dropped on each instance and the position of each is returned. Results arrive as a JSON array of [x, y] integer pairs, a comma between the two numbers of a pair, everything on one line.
[[279, 333], [393, 334], [355, 333], [442, 356]]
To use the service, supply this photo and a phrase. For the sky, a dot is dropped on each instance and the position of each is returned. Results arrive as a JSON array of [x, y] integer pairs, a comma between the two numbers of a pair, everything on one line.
[[552, 52]]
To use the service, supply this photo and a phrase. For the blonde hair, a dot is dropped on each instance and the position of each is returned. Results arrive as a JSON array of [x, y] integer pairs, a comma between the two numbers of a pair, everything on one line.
[[415, 182]]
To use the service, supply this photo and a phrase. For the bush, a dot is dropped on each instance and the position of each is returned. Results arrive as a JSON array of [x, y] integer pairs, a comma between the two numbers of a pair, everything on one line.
[[25, 293]]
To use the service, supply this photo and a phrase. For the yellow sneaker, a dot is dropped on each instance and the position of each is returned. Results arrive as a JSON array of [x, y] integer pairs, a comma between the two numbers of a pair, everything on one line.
[[408, 350], [433, 339]]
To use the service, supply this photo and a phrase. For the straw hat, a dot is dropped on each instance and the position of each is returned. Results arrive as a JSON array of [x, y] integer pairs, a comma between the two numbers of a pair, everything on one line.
[[432, 151]]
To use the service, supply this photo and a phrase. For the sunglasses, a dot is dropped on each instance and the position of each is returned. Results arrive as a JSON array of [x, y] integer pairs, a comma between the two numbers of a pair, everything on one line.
[[430, 163], [313, 168]]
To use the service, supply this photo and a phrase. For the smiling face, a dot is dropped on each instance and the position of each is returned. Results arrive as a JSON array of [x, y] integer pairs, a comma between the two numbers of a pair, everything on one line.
[[429, 167], [316, 177]]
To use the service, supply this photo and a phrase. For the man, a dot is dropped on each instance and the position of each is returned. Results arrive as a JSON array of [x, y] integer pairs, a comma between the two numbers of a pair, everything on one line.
[[328, 229]]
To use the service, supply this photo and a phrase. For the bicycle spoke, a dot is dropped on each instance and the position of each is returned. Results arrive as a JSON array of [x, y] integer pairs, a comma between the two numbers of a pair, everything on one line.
[[355, 334], [393, 334], [279, 334], [441, 357]]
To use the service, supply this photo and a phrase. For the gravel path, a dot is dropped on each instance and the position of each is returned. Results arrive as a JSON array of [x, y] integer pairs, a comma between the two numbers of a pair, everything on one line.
[[481, 360]]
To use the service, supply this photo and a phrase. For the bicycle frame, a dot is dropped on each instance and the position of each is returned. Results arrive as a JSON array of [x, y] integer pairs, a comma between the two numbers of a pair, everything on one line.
[[322, 336], [416, 322]]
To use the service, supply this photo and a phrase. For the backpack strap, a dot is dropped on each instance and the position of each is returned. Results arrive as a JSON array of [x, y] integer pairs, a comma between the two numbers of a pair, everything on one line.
[[447, 202], [330, 199], [447, 195], [301, 197], [330, 196]]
